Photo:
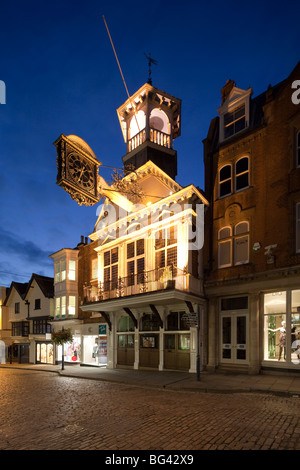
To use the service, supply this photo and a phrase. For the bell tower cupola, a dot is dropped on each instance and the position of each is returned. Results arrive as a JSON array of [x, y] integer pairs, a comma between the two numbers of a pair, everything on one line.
[[150, 121]]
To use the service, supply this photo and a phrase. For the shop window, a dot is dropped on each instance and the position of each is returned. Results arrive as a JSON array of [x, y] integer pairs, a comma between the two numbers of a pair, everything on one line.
[[184, 342], [275, 326], [225, 181], [149, 341], [295, 327], [242, 174], [126, 341]]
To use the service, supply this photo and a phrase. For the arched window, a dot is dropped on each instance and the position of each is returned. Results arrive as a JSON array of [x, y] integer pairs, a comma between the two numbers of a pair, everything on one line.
[[233, 249], [242, 173], [137, 123], [225, 177], [241, 243], [224, 247]]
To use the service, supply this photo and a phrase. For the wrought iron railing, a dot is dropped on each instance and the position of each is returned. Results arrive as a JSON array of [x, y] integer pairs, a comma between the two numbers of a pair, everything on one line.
[[169, 277]]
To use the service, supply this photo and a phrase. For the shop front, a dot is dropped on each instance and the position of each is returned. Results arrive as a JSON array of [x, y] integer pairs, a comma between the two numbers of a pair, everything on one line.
[[281, 334], [44, 352], [94, 345]]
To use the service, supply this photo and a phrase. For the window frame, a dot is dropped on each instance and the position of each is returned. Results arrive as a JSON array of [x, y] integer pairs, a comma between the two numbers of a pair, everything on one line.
[[225, 180], [236, 175], [231, 238], [221, 241]]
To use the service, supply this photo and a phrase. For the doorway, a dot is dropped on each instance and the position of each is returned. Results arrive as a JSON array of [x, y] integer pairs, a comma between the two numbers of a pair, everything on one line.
[[234, 338]]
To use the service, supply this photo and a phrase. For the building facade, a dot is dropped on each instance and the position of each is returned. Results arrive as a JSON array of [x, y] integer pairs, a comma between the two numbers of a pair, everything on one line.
[[140, 279], [30, 309], [252, 244]]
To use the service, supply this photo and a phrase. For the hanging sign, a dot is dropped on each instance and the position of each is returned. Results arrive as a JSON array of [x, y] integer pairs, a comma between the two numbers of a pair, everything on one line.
[[102, 330], [191, 319]]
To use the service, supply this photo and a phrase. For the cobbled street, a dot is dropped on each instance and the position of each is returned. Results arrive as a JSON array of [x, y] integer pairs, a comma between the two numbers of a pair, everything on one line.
[[44, 411]]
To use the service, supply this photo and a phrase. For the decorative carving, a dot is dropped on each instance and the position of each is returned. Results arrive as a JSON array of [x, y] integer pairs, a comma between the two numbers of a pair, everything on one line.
[[77, 169]]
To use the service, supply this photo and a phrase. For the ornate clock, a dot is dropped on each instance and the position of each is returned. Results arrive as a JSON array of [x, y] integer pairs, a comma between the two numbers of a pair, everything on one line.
[[77, 169]]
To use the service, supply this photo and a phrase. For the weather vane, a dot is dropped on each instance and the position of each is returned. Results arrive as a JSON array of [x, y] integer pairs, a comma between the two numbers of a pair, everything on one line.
[[150, 62]]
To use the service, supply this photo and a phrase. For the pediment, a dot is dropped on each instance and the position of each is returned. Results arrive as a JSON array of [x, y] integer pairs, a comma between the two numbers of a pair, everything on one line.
[[236, 97]]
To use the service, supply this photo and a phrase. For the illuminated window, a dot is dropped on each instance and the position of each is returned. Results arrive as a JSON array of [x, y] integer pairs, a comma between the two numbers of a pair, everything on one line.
[[224, 247], [241, 243], [233, 249], [111, 259], [63, 306], [57, 306], [234, 121], [72, 270], [72, 304], [95, 268], [135, 262], [166, 248], [63, 270]]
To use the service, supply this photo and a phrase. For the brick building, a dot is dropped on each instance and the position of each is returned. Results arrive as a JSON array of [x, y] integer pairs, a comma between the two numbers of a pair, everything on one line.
[[252, 238]]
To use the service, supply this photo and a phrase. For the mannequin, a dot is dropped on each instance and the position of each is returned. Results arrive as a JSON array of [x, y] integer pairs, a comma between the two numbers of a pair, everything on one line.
[[282, 339]]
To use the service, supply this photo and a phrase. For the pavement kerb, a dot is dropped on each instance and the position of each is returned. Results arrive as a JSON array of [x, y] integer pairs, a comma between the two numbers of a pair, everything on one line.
[[223, 385]]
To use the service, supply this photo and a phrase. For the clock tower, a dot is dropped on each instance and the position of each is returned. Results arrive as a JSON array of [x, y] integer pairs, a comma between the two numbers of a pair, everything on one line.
[[150, 121]]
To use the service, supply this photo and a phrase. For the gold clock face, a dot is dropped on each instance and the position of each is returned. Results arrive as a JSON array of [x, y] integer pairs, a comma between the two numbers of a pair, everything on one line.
[[81, 171]]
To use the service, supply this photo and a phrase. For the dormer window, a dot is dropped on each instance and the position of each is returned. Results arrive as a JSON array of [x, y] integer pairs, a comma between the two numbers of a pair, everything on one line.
[[234, 121], [235, 110]]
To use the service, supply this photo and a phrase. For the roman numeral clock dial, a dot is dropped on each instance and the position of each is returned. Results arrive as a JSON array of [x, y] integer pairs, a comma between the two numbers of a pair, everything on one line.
[[77, 169], [81, 172]]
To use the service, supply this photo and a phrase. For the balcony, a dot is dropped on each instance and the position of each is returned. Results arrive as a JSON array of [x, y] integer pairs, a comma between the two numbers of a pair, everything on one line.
[[156, 136], [149, 281]]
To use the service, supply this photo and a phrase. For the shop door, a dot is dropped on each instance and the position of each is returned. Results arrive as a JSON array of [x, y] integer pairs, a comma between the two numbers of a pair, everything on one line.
[[149, 350], [125, 350], [234, 338], [177, 351]]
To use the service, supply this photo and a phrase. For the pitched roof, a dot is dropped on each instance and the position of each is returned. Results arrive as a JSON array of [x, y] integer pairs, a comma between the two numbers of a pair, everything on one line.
[[46, 284]]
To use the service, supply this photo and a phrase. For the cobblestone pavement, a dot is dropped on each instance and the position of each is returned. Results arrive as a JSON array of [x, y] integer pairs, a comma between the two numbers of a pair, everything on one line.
[[44, 411]]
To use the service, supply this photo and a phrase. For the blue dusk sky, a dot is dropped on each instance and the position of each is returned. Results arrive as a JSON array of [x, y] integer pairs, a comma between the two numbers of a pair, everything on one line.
[[62, 77]]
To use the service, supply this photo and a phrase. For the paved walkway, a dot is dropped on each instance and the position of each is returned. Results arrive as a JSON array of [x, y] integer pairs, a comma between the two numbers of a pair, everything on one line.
[[180, 381]]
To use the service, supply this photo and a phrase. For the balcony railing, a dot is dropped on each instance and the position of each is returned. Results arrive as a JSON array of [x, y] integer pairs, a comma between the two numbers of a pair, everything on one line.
[[156, 136], [149, 281]]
